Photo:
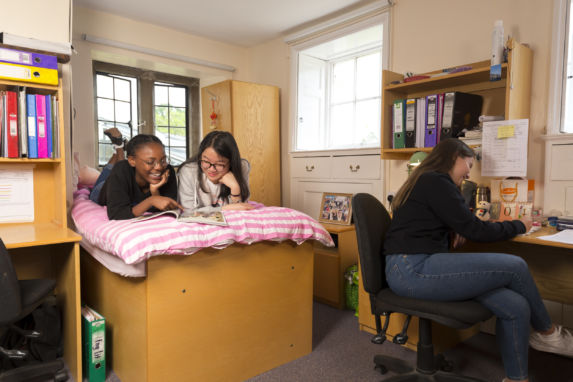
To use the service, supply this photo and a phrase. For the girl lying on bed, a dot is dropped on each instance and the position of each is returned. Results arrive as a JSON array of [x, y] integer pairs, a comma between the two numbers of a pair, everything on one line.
[[144, 182], [217, 178]]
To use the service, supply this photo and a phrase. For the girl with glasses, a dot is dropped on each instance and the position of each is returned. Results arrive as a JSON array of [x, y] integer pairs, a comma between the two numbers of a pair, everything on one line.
[[217, 178], [143, 182]]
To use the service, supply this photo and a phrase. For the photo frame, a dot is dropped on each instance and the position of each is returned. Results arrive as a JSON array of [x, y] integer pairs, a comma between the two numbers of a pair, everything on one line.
[[335, 208]]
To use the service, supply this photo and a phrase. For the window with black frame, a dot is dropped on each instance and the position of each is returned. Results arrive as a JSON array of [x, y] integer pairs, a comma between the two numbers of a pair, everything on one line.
[[140, 101]]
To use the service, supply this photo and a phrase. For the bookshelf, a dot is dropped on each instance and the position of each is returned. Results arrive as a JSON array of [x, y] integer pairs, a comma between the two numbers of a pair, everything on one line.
[[509, 97], [46, 247]]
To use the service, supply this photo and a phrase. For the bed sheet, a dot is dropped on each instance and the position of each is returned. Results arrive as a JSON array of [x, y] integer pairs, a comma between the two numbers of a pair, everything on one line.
[[134, 242]]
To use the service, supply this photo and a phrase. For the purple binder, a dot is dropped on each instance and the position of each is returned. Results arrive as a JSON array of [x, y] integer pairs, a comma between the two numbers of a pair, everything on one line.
[[431, 120], [21, 57]]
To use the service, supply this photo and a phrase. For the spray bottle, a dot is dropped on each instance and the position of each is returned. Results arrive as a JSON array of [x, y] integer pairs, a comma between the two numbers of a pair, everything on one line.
[[496, 51]]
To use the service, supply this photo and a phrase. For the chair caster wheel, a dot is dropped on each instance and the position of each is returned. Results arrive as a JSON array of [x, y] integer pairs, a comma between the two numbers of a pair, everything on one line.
[[381, 369], [443, 364], [378, 339]]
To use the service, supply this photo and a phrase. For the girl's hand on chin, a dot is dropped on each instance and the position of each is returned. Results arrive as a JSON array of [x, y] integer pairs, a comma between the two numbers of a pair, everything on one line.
[[154, 188], [230, 181]]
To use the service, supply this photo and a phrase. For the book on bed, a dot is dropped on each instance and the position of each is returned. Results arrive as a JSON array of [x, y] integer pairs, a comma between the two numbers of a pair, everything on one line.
[[202, 215]]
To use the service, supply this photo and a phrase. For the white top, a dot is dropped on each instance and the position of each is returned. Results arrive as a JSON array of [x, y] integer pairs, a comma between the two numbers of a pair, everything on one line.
[[191, 196]]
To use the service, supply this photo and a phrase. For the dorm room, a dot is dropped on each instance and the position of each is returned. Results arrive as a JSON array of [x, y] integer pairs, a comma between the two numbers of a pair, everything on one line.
[[195, 307]]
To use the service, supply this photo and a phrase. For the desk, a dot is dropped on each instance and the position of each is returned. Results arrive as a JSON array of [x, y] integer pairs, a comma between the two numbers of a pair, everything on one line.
[[550, 262], [49, 251], [331, 263]]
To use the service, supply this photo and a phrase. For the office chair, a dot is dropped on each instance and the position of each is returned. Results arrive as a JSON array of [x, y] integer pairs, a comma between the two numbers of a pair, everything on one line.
[[18, 298], [372, 222]]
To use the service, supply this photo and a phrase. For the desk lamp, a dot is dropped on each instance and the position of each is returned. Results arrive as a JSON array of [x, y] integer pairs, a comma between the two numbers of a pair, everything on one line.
[[415, 160]]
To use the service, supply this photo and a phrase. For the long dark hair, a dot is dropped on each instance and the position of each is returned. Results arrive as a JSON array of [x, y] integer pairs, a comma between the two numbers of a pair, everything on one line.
[[441, 159], [225, 145], [140, 140]]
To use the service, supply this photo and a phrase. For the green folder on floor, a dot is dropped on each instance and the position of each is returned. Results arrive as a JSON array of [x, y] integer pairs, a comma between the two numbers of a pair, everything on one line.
[[93, 344]]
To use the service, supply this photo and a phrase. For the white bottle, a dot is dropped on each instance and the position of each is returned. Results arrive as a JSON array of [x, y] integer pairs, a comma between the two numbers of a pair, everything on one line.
[[496, 51]]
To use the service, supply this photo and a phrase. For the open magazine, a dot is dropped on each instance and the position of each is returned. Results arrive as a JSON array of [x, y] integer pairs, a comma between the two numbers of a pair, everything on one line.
[[201, 215]]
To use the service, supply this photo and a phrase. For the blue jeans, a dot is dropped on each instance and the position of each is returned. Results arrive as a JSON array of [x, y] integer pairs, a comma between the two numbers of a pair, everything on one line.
[[500, 282], [94, 194]]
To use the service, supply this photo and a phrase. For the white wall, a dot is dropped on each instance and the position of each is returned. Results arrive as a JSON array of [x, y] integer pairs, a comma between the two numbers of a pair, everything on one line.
[[47, 20]]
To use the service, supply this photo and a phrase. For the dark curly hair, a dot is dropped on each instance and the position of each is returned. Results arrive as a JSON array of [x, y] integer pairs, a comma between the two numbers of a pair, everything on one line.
[[140, 140]]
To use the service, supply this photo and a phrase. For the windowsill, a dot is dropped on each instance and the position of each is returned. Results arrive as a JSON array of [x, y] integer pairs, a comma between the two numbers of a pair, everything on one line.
[[557, 137], [338, 152]]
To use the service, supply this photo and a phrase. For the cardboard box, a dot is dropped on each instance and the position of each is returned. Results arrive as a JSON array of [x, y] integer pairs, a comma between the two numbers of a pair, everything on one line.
[[93, 343]]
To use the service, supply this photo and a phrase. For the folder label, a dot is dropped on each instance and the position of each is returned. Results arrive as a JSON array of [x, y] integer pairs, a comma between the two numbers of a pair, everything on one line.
[[13, 118], [16, 72], [93, 337], [41, 126], [15, 56]]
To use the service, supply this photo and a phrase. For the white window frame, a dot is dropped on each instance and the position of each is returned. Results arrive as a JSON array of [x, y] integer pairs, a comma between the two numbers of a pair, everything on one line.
[[558, 68], [341, 30]]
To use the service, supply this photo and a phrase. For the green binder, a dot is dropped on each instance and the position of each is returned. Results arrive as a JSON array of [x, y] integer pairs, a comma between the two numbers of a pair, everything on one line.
[[398, 124], [93, 340]]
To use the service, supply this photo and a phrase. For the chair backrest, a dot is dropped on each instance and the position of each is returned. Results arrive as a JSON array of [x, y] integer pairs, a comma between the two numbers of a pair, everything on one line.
[[10, 300], [372, 222]]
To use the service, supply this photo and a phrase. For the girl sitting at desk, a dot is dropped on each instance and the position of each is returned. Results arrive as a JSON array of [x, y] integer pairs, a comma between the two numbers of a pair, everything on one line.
[[430, 215], [217, 178], [144, 182]]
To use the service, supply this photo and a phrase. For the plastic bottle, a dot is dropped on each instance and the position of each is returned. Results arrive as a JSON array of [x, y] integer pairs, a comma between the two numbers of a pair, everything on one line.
[[496, 51]]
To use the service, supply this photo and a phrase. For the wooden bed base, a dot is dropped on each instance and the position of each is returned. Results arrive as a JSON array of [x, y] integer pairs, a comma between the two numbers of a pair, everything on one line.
[[217, 315]]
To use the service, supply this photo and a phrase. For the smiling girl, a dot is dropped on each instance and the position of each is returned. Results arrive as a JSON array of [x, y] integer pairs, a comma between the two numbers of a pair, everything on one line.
[[217, 177], [144, 182]]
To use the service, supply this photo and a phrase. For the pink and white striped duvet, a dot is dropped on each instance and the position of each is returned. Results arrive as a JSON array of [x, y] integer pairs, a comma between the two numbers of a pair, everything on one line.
[[136, 242]]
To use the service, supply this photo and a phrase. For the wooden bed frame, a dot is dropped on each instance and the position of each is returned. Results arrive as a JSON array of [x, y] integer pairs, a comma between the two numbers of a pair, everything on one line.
[[217, 315]]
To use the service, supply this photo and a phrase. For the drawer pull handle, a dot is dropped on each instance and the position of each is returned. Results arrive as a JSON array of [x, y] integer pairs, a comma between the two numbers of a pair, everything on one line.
[[355, 169], [309, 169]]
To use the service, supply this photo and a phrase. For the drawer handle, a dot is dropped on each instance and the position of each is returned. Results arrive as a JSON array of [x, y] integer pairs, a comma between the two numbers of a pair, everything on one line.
[[355, 169], [309, 169]]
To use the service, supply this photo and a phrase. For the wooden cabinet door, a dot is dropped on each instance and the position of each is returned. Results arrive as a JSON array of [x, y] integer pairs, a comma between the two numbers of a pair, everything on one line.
[[256, 130]]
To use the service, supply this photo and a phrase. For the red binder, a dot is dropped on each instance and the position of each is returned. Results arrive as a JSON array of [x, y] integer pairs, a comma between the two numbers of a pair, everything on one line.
[[41, 126], [11, 125]]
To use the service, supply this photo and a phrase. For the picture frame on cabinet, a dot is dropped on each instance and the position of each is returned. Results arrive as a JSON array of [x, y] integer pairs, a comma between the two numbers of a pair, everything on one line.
[[335, 208]]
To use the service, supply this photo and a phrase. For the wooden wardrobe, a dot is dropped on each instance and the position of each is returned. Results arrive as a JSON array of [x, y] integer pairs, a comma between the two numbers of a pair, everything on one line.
[[251, 113]]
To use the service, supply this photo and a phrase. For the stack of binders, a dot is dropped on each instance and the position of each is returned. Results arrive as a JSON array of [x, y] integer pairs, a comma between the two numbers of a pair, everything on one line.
[[29, 125], [564, 222], [25, 66], [424, 121]]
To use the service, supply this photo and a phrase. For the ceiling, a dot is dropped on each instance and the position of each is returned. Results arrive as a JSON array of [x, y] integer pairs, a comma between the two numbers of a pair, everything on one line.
[[240, 22]]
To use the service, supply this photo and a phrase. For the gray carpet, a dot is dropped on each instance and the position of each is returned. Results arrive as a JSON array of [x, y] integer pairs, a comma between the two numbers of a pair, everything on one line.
[[343, 353]]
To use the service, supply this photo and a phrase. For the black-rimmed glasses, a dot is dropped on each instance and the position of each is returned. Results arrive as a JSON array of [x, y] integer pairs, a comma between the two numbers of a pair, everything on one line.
[[153, 163], [205, 165]]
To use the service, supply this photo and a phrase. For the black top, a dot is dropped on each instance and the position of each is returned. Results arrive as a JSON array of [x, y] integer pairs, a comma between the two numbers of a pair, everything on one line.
[[121, 192], [434, 208]]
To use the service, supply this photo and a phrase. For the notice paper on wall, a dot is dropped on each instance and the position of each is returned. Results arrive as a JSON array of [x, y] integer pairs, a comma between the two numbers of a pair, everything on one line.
[[16, 194], [504, 148]]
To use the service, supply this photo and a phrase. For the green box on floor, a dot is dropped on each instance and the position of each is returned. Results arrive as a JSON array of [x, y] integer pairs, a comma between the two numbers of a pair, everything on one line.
[[93, 345]]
